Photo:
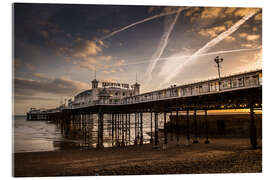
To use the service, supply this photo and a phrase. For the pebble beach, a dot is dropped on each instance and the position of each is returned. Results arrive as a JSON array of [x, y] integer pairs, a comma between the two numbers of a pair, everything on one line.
[[222, 155]]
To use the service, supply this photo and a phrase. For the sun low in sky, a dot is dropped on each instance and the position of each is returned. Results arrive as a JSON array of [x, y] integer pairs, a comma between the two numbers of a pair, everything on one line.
[[58, 47]]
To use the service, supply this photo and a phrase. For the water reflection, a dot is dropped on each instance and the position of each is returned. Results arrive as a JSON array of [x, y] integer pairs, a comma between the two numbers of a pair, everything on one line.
[[116, 131], [31, 136]]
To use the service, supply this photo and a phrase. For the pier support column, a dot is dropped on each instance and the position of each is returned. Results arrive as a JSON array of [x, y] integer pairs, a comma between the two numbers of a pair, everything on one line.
[[84, 128], [128, 128], [141, 128], [195, 141], [151, 127], [135, 128], [100, 129], [156, 129], [118, 130], [67, 123], [112, 115], [253, 134], [206, 127], [177, 129], [122, 130], [165, 131], [188, 135], [171, 126]]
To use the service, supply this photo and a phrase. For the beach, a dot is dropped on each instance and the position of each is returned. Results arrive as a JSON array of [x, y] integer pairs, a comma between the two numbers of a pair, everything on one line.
[[222, 155]]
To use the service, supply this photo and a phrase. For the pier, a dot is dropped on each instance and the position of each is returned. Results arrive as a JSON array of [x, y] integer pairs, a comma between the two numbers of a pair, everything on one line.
[[239, 91]]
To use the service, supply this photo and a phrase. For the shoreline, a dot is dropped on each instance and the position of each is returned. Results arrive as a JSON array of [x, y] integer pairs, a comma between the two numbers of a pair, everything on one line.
[[230, 155]]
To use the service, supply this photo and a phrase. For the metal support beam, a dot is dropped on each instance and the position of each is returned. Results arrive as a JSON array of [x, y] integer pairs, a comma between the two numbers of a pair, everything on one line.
[[126, 128], [141, 130], [253, 134], [156, 129], [195, 128], [129, 128], [206, 127], [165, 131], [84, 129], [188, 135], [118, 130], [177, 129], [171, 126], [122, 130], [112, 115], [100, 129], [135, 129], [151, 127]]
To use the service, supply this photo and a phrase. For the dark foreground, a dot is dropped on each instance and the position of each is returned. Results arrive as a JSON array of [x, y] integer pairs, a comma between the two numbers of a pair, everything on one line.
[[220, 156]]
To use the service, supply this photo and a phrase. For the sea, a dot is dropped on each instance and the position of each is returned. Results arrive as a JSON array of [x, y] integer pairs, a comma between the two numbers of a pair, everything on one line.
[[33, 136], [36, 136]]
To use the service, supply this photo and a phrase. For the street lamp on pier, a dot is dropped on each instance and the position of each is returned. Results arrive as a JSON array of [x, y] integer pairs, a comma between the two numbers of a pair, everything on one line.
[[218, 61]]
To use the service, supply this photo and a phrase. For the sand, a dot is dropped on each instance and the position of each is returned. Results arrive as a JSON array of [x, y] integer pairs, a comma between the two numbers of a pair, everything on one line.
[[220, 156]]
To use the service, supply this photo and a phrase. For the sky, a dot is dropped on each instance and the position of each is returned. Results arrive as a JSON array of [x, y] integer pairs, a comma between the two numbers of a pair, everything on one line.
[[58, 47]]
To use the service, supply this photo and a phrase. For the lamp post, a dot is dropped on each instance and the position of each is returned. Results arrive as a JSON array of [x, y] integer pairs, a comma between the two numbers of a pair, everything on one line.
[[218, 61]]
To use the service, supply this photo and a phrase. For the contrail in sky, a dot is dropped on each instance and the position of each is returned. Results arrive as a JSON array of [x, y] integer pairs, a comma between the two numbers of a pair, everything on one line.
[[138, 22], [198, 55], [162, 44], [210, 44]]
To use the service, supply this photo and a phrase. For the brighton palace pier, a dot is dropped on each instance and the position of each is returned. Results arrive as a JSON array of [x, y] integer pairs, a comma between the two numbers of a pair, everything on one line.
[[120, 101]]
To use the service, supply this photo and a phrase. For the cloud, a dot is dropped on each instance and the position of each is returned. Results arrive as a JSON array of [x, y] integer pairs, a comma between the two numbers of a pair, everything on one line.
[[153, 8], [31, 66], [243, 35], [85, 54], [230, 38], [109, 71], [244, 60], [228, 23], [51, 27], [212, 12], [170, 9], [105, 64], [254, 29], [251, 61], [105, 58], [250, 37], [81, 48], [258, 17], [244, 11], [212, 32], [191, 11], [111, 79], [33, 98], [251, 45], [54, 86], [229, 10], [18, 62], [67, 59], [88, 63], [69, 35], [44, 34], [105, 31], [118, 63], [253, 37], [42, 76]]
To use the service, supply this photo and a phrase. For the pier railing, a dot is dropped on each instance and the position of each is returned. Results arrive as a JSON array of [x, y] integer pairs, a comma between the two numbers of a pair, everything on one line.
[[229, 83]]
